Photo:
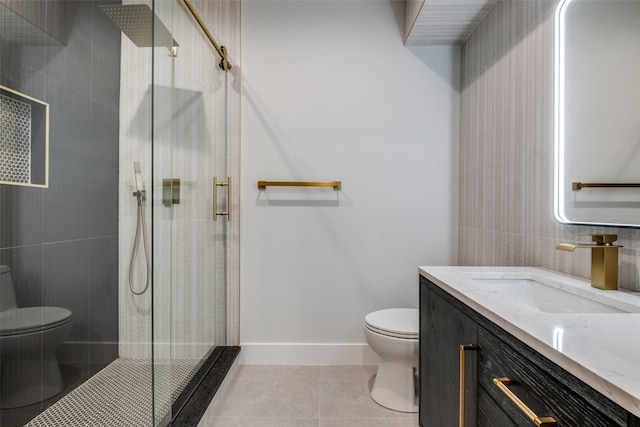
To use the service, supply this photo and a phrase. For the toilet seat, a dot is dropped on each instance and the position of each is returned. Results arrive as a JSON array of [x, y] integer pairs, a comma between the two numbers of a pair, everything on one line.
[[26, 320], [394, 322]]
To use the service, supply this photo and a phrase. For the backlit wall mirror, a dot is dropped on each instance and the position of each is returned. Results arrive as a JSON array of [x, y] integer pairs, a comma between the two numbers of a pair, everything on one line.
[[24, 139], [597, 112]]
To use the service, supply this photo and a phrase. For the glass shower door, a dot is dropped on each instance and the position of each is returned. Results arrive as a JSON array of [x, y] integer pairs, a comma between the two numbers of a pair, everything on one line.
[[189, 259], [162, 212]]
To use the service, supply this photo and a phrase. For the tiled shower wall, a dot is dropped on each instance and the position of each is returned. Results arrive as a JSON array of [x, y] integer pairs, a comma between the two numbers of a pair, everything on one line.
[[506, 150], [197, 128], [61, 242], [224, 17]]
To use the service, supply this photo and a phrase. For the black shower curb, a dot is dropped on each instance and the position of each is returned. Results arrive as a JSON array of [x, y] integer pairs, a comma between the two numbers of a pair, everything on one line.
[[192, 403]]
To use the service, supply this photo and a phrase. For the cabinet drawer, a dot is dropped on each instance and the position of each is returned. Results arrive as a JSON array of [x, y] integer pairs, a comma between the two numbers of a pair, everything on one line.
[[550, 392], [490, 413]]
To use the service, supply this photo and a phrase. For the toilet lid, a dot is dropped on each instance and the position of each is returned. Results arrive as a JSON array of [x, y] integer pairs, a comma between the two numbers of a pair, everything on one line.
[[32, 319], [396, 322]]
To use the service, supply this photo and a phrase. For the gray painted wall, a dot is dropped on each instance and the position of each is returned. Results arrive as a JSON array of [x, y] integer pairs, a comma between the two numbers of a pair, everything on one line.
[[62, 242], [314, 262], [506, 150]]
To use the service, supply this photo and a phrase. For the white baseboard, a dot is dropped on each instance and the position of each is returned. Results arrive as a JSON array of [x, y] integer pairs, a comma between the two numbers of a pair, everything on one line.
[[307, 354]]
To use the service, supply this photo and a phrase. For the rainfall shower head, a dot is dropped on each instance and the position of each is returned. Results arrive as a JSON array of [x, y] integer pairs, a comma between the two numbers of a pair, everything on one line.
[[139, 23]]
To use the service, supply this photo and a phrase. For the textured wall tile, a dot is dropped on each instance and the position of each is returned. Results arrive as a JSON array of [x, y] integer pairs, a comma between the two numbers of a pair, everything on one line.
[[200, 130], [506, 149], [70, 64], [20, 216], [504, 248], [26, 272], [103, 291], [64, 223], [471, 244]]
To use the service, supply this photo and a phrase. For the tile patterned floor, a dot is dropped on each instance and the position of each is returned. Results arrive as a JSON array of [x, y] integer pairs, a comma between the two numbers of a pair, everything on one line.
[[119, 395], [73, 376], [301, 396]]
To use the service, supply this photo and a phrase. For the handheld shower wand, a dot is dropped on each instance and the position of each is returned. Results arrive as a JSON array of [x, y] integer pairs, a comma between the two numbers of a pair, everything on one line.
[[137, 171], [140, 195]]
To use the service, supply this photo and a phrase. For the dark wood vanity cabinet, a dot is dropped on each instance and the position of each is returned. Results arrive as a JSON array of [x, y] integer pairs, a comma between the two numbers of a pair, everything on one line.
[[443, 328], [546, 388]]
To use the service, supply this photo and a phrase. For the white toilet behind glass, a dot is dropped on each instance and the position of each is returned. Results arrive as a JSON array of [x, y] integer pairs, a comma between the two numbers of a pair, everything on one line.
[[393, 334]]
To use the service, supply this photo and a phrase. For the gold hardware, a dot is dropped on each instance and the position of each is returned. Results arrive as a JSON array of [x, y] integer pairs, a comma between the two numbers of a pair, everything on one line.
[[224, 61], [502, 384], [463, 350], [216, 212], [580, 185], [170, 192], [337, 185], [604, 260], [215, 198]]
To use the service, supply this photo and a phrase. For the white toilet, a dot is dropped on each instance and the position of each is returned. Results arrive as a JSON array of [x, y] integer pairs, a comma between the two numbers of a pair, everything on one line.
[[29, 337], [393, 334]]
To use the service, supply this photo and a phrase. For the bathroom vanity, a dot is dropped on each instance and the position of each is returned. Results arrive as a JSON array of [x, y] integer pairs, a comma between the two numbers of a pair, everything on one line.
[[564, 350]]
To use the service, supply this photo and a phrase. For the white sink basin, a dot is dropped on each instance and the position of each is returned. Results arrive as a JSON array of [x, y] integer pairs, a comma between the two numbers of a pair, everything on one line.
[[549, 296]]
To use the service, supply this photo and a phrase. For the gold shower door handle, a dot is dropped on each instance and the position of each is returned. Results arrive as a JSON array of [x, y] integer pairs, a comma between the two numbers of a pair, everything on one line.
[[463, 362], [216, 212], [502, 384]]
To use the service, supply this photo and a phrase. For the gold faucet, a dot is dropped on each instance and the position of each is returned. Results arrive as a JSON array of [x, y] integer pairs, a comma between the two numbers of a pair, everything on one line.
[[604, 260]]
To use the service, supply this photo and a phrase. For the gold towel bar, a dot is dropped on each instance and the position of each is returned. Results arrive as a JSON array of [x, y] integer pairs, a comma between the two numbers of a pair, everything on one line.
[[222, 51], [502, 384], [337, 185], [581, 185]]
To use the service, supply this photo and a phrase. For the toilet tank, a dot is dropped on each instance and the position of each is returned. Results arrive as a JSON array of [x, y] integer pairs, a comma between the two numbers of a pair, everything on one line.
[[7, 294]]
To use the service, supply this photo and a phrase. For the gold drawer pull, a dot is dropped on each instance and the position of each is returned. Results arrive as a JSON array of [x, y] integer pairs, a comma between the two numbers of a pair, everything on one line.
[[463, 349], [502, 384]]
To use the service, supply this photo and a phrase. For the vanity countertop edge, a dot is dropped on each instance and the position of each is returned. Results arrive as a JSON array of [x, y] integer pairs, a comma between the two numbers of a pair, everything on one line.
[[583, 344]]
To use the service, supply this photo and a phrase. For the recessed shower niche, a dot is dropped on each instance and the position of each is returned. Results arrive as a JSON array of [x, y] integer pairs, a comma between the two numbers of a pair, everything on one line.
[[24, 139]]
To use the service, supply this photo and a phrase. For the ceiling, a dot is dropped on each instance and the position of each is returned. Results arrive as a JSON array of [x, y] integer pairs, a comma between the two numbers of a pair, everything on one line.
[[443, 22]]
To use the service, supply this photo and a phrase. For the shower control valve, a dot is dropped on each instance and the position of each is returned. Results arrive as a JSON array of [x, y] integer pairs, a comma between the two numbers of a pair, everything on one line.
[[141, 195]]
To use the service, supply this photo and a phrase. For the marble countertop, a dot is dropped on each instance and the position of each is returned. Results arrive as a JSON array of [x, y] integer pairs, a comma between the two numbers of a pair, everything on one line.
[[602, 349]]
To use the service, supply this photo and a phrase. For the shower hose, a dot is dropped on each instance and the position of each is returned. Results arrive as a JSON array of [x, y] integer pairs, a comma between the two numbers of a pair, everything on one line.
[[139, 224]]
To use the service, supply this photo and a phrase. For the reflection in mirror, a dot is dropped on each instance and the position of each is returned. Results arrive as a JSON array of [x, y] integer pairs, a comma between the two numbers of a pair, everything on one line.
[[597, 112], [24, 139]]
